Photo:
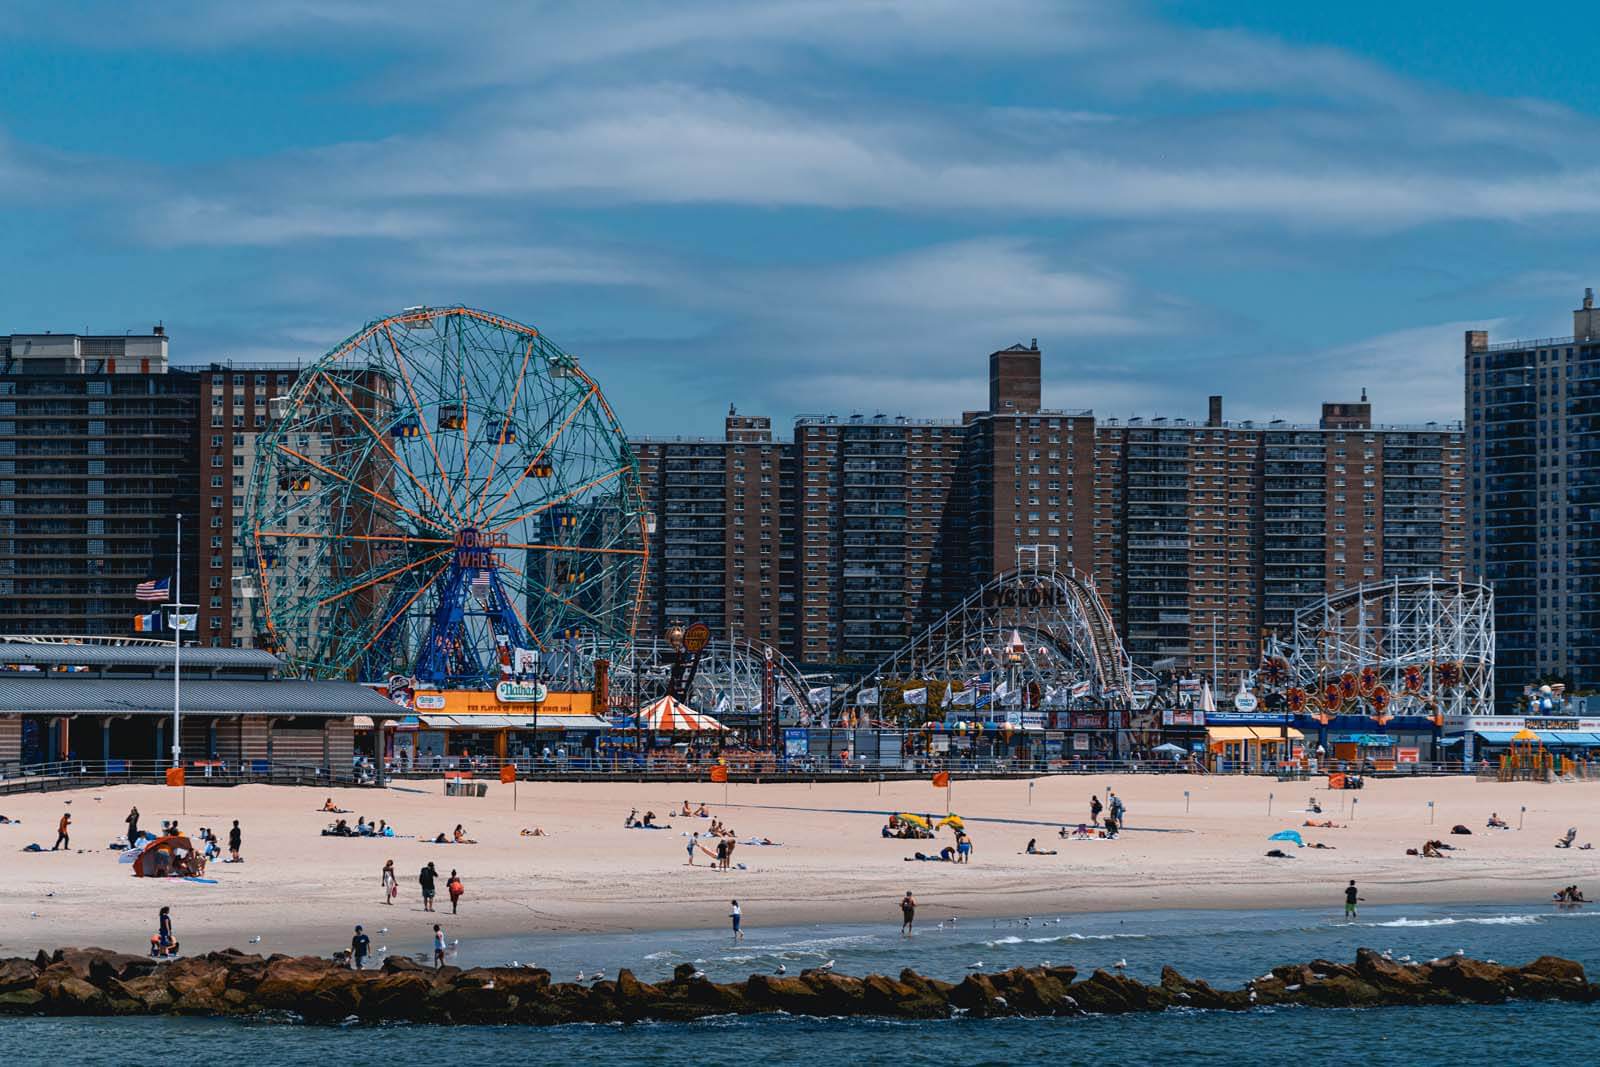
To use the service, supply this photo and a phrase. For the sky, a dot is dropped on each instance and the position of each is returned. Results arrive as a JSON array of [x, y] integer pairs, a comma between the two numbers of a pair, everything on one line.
[[831, 206]]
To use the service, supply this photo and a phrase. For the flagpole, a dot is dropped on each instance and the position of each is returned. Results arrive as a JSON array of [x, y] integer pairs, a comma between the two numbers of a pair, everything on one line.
[[177, 645]]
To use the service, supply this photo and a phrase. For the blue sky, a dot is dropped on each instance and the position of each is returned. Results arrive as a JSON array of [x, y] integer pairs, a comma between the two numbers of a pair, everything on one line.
[[830, 206]]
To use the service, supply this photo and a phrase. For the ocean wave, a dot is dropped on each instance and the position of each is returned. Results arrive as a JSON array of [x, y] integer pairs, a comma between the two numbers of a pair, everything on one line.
[[1480, 920], [1014, 940]]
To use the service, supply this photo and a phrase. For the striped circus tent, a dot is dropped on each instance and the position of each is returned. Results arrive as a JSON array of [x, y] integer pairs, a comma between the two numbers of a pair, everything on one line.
[[673, 716]]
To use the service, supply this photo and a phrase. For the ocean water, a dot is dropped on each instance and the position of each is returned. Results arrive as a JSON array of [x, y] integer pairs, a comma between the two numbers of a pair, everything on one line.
[[1225, 947]]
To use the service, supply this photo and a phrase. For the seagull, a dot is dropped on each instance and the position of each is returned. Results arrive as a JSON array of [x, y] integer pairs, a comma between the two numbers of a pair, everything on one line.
[[383, 929], [952, 920], [698, 974], [975, 966], [781, 969], [1405, 958], [1045, 963], [383, 948], [1120, 964], [826, 966], [513, 963], [598, 976], [256, 940], [1459, 952], [581, 977]]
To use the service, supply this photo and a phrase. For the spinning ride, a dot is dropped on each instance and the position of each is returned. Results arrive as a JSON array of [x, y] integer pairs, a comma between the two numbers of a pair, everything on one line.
[[442, 489]]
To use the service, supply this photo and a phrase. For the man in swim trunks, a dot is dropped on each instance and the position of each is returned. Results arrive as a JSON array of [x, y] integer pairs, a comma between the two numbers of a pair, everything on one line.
[[1350, 899], [908, 913], [426, 879]]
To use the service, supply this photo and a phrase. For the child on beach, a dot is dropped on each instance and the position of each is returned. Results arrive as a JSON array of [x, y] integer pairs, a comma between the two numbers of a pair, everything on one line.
[[359, 945], [438, 946], [61, 833]]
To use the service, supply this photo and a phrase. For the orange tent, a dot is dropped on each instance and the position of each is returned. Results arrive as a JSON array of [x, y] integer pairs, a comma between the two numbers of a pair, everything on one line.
[[673, 716], [169, 856]]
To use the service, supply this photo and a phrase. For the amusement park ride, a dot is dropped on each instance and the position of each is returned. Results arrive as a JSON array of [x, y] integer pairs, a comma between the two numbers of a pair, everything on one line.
[[445, 496]]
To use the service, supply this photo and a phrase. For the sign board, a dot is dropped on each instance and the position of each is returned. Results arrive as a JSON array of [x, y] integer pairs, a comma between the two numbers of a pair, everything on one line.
[[428, 701], [521, 693], [401, 689], [696, 637], [1244, 700], [487, 702], [1182, 717], [1408, 755], [1080, 742], [796, 743], [524, 661]]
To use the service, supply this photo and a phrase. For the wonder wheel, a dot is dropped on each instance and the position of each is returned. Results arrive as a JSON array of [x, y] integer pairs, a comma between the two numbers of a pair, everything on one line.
[[439, 491]]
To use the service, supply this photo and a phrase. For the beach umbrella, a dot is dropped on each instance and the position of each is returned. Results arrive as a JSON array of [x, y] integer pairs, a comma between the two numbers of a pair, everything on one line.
[[1169, 747], [952, 820], [915, 820], [1288, 835]]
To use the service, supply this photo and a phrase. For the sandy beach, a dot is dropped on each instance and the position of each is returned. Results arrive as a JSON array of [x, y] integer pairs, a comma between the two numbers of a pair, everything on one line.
[[301, 892]]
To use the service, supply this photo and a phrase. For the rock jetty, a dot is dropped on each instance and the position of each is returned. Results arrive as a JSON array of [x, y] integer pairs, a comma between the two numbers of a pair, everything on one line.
[[92, 981]]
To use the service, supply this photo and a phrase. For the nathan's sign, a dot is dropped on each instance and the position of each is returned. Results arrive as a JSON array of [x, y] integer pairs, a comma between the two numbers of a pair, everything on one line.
[[520, 693], [1024, 595]]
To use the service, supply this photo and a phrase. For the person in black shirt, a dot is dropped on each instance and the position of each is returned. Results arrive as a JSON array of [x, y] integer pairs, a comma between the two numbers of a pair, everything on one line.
[[133, 827], [1351, 896], [234, 837], [426, 879], [359, 947]]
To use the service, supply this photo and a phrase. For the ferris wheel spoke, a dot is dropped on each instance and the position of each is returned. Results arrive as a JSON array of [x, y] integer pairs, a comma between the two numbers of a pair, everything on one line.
[[356, 537], [422, 416], [511, 602], [500, 432], [577, 548], [541, 454], [563, 498], [412, 599], [357, 485], [387, 574], [378, 438]]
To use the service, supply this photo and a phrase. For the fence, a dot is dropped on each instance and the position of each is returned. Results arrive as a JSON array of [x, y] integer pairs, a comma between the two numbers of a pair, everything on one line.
[[742, 766]]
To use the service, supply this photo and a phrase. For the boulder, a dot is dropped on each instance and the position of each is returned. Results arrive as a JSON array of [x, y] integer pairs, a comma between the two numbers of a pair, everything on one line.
[[1113, 994], [151, 993], [837, 994], [899, 999], [399, 995], [1551, 978], [765, 992], [290, 982], [21, 1001], [17, 974], [66, 994], [1469, 980]]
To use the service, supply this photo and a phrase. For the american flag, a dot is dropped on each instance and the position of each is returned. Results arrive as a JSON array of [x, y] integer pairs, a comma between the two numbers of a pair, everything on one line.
[[480, 581], [155, 589]]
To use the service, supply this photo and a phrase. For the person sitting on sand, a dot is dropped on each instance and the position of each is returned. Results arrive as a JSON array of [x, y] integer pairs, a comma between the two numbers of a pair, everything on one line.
[[649, 820], [701, 812], [535, 832], [1430, 850], [361, 825], [1497, 823], [632, 820], [1033, 849], [461, 837], [686, 812], [1313, 807]]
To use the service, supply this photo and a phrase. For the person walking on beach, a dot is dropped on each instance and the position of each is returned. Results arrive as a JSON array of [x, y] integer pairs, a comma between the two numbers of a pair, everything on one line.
[[426, 878], [438, 946], [908, 913], [694, 843], [454, 887], [963, 847], [390, 883], [1095, 808], [166, 942], [235, 836], [133, 826], [1117, 810], [61, 833], [734, 917], [1351, 897], [360, 945]]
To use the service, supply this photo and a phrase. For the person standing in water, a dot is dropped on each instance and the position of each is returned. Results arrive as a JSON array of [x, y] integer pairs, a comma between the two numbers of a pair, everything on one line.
[[438, 946], [734, 916], [908, 913], [1351, 897]]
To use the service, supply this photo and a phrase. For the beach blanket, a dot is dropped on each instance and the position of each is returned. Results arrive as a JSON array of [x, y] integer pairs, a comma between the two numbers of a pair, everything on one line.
[[198, 880]]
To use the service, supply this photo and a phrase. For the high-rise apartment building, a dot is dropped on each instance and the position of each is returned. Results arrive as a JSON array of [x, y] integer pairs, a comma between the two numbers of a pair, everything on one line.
[[1198, 535], [1533, 427], [723, 548], [97, 442]]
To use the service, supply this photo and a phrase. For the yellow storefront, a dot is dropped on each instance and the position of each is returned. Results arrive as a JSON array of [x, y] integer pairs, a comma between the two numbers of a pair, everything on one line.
[[1251, 747]]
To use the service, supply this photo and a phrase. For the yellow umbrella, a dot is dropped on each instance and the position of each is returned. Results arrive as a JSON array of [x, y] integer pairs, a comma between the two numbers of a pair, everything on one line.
[[952, 820], [915, 820], [1524, 734]]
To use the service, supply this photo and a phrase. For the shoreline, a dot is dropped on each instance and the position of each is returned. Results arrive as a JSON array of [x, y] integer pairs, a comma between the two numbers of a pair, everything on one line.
[[301, 893]]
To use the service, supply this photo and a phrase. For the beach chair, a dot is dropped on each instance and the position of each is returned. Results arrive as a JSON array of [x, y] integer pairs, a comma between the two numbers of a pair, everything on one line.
[[1571, 836]]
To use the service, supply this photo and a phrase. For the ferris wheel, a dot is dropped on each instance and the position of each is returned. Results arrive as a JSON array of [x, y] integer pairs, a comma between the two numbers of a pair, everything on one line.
[[441, 490]]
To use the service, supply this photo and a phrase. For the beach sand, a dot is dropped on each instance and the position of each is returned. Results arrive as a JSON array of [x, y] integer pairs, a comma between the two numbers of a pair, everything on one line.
[[301, 892]]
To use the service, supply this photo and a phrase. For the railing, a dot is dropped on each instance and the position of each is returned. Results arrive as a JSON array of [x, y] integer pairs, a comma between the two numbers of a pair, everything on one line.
[[742, 766]]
